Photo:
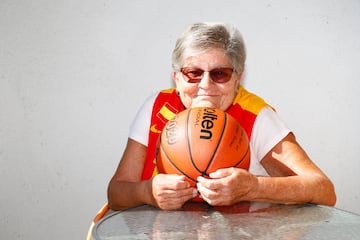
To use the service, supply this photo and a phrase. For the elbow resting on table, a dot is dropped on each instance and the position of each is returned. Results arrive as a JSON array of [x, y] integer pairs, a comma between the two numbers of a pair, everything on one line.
[[326, 194]]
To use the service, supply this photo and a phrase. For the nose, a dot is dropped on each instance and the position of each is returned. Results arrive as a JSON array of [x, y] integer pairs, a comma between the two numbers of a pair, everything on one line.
[[206, 81]]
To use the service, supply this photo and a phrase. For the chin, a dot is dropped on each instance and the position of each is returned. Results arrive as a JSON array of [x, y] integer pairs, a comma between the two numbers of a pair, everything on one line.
[[204, 104]]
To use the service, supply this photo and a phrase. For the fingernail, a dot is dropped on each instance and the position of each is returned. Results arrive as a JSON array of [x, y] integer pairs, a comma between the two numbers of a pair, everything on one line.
[[195, 192]]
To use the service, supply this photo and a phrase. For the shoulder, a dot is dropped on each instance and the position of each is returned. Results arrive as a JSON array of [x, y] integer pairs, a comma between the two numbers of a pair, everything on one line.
[[250, 101], [269, 129], [164, 96], [156, 97], [156, 109]]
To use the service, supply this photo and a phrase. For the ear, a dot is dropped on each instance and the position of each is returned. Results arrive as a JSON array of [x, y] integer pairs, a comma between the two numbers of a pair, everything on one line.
[[238, 79], [175, 77]]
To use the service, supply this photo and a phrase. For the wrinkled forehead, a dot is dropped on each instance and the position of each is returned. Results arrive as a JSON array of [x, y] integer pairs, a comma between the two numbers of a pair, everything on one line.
[[195, 53]]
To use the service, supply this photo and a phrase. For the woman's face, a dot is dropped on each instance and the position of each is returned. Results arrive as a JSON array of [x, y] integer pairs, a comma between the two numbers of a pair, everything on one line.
[[207, 93]]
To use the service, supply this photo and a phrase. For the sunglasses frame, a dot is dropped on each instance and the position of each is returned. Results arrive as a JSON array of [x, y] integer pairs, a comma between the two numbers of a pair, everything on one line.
[[186, 71]]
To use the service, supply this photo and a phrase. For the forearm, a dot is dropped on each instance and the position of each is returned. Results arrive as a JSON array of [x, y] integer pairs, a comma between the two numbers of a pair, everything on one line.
[[294, 177], [122, 194], [295, 189]]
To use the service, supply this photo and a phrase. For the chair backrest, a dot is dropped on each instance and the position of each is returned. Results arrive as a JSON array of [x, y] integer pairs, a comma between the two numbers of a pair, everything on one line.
[[100, 214]]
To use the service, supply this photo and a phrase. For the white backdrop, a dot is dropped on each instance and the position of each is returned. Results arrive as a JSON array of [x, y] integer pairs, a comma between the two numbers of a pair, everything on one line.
[[73, 73]]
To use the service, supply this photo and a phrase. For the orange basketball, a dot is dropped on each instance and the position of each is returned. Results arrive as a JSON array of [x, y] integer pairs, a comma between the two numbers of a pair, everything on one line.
[[199, 141]]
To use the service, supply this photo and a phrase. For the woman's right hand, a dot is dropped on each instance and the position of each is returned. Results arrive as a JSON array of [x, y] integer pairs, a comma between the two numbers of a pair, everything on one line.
[[171, 191]]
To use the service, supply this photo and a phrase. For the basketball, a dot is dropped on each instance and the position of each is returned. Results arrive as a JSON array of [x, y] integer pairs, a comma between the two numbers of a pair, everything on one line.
[[198, 141]]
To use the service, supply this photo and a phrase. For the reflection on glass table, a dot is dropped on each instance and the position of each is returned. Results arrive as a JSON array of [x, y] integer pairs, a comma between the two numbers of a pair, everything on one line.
[[245, 220]]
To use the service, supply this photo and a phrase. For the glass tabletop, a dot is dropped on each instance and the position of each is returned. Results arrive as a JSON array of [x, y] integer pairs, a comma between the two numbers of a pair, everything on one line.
[[245, 220]]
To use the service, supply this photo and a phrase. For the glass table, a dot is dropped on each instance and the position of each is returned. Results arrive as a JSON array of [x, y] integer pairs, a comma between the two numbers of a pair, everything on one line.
[[245, 220]]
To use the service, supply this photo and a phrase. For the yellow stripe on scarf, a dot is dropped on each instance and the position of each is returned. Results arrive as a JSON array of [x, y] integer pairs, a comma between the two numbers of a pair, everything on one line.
[[250, 102], [166, 113]]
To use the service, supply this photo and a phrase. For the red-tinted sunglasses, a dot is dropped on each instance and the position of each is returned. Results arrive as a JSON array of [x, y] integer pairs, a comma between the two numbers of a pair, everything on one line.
[[218, 75]]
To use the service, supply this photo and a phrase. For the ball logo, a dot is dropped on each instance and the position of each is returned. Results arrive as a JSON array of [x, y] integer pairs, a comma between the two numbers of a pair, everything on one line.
[[207, 123], [199, 141], [171, 132]]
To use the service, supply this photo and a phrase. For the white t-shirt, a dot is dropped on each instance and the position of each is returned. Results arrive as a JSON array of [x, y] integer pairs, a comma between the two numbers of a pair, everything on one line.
[[267, 131]]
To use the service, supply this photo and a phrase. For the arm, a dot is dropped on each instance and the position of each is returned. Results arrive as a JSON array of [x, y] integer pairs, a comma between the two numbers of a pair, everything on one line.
[[294, 178], [126, 189]]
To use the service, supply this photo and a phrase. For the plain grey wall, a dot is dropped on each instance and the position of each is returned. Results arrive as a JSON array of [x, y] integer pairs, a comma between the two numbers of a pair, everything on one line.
[[73, 73]]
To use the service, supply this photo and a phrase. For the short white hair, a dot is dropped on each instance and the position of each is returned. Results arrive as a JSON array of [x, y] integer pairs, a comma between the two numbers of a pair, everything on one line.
[[200, 37]]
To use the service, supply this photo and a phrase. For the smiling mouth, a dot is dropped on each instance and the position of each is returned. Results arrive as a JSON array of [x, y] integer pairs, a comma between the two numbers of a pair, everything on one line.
[[206, 99], [206, 95]]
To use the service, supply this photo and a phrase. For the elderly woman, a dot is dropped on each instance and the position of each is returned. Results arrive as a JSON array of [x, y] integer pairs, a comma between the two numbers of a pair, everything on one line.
[[208, 62]]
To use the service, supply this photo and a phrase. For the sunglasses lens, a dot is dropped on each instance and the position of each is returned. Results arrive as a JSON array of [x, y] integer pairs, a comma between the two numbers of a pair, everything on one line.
[[218, 75], [221, 75], [193, 75]]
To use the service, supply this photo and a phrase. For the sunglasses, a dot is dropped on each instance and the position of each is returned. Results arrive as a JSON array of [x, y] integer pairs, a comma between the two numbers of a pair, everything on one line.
[[218, 75]]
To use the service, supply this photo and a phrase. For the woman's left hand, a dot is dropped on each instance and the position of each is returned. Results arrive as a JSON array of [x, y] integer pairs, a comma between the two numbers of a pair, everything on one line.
[[227, 186]]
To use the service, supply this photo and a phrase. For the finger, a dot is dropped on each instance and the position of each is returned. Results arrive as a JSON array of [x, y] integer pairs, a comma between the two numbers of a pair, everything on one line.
[[180, 184], [210, 183], [187, 194], [175, 199], [182, 193], [173, 182], [175, 177], [208, 195], [205, 192], [221, 173]]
